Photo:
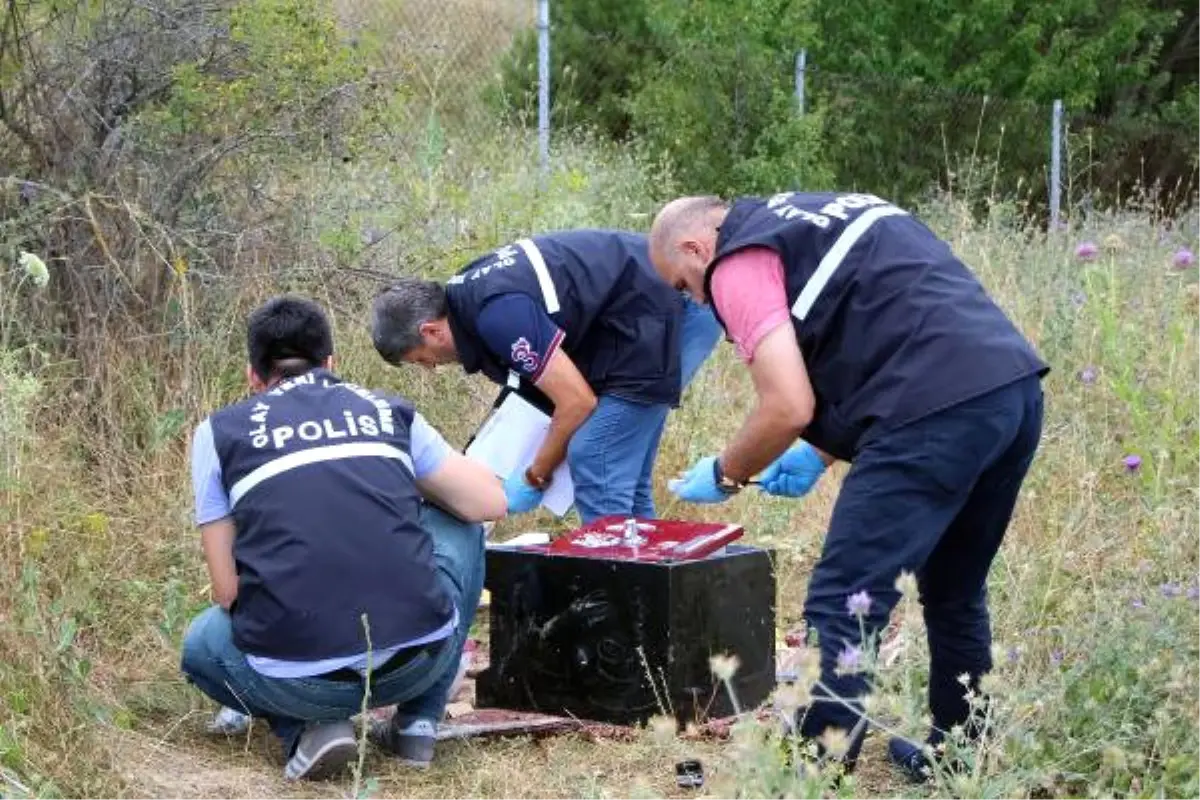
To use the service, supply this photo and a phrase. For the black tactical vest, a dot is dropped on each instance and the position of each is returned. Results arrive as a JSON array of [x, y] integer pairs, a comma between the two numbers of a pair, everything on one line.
[[320, 479], [621, 323], [893, 327]]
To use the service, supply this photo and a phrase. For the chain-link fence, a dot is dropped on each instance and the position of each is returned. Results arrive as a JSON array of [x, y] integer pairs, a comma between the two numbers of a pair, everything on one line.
[[735, 110], [151, 139], [453, 62], [899, 137], [1153, 161], [907, 135]]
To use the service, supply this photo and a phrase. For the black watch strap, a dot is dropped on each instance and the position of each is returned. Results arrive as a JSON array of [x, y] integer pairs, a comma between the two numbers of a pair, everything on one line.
[[724, 483]]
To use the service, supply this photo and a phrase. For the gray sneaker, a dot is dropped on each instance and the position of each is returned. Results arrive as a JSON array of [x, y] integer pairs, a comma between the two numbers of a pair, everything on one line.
[[229, 721], [324, 748], [410, 739]]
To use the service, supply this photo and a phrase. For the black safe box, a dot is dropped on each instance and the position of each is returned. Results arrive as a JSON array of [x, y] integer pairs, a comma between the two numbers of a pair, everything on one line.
[[620, 641]]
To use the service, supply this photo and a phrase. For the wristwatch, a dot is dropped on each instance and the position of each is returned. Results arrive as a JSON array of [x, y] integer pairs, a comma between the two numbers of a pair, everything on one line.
[[538, 483], [724, 482]]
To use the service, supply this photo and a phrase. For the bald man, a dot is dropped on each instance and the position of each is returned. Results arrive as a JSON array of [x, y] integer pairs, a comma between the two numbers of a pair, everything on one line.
[[868, 341]]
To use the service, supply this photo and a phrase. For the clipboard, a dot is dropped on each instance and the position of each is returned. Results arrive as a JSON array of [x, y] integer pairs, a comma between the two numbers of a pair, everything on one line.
[[511, 435]]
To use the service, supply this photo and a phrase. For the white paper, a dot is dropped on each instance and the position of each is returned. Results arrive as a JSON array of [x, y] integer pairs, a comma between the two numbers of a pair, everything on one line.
[[509, 439], [527, 538]]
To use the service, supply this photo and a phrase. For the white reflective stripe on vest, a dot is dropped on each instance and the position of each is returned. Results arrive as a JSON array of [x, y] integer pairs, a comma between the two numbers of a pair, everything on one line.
[[549, 295], [315, 455], [836, 255]]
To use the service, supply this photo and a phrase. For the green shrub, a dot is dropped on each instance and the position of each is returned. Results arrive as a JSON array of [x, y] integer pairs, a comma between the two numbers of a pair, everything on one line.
[[598, 51], [708, 85]]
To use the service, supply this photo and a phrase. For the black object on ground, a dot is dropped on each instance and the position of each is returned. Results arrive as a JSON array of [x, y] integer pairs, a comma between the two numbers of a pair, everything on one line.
[[620, 641], [689, 774]]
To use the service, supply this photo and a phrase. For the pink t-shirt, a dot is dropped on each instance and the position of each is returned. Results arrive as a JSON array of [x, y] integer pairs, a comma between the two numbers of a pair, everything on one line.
[[749, 294]]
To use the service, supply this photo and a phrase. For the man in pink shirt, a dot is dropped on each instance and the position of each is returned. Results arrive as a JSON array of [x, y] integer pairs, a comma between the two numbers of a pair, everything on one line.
[[867, 341]]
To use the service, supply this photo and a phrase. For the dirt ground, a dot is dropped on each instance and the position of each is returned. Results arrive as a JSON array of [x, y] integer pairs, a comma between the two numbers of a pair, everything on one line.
[[177, 757]]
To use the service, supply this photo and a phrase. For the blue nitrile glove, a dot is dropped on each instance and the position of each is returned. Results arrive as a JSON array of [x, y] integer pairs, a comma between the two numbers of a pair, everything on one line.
[[699, 485], [521, 496], [794, 473]]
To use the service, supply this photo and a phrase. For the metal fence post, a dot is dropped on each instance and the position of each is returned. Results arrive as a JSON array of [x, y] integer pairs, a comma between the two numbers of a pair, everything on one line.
[[801, 63], [1056, 164], [543, 29]]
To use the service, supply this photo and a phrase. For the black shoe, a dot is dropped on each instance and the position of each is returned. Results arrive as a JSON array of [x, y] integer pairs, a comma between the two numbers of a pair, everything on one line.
[[911, 760]]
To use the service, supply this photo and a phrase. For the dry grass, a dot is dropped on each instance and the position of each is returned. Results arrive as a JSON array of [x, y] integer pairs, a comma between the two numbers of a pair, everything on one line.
[[439, 52], [184, 764], [482, 26], [101, 568], [121, 565]]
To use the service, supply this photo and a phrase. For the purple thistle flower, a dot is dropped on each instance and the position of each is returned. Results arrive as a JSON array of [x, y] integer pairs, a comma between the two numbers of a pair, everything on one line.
[[1183, 258], [1087, 375], [1056, 658], [1014, 654], [850, 659], [1137, 603], [1086, 251], [859, 603], [1170, 590], [1132, 463]]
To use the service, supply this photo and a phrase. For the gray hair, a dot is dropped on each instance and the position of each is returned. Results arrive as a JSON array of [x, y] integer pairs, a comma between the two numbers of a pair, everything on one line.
[[398, 313]]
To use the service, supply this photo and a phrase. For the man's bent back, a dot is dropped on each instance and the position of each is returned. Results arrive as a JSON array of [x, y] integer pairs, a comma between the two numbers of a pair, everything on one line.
[[324, 559]]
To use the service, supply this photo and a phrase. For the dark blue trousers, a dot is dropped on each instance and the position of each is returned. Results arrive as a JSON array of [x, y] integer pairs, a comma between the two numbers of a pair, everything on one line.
[[935, 498]]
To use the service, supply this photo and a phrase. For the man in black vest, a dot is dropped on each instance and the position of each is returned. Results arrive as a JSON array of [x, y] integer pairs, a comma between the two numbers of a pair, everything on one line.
[[578, 320], [866, 336], [327, 567]]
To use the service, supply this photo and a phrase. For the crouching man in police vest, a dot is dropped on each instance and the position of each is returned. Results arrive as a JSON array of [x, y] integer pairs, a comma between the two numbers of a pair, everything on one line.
[[327, 568], [866, 336], [581, 316]]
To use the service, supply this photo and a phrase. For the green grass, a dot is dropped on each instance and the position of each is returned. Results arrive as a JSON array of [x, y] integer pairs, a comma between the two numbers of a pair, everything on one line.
[[1089, 594], [1093, 594]]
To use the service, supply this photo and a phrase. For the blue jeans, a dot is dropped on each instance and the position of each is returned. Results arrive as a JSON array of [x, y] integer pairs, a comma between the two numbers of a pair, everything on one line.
[[419, 688], [701, 333], [935, 498], [611, 456]]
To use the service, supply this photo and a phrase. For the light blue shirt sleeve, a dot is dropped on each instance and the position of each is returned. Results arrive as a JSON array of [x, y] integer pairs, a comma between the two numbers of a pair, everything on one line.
[[428, 447], [212, 503]]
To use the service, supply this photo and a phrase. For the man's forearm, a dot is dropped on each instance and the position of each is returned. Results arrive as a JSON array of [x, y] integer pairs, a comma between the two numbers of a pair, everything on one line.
[[566, 420], [216, 539], [223, 586], [763, 437]]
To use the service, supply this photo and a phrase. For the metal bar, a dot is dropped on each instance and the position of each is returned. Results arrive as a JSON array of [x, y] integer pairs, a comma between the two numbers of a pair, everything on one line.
[[1056, 165], [543, 29], [801, 64]]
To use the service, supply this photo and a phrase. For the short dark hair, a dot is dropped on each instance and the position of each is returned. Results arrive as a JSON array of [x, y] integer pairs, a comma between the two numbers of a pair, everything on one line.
[[398, 313], [287, 336]]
